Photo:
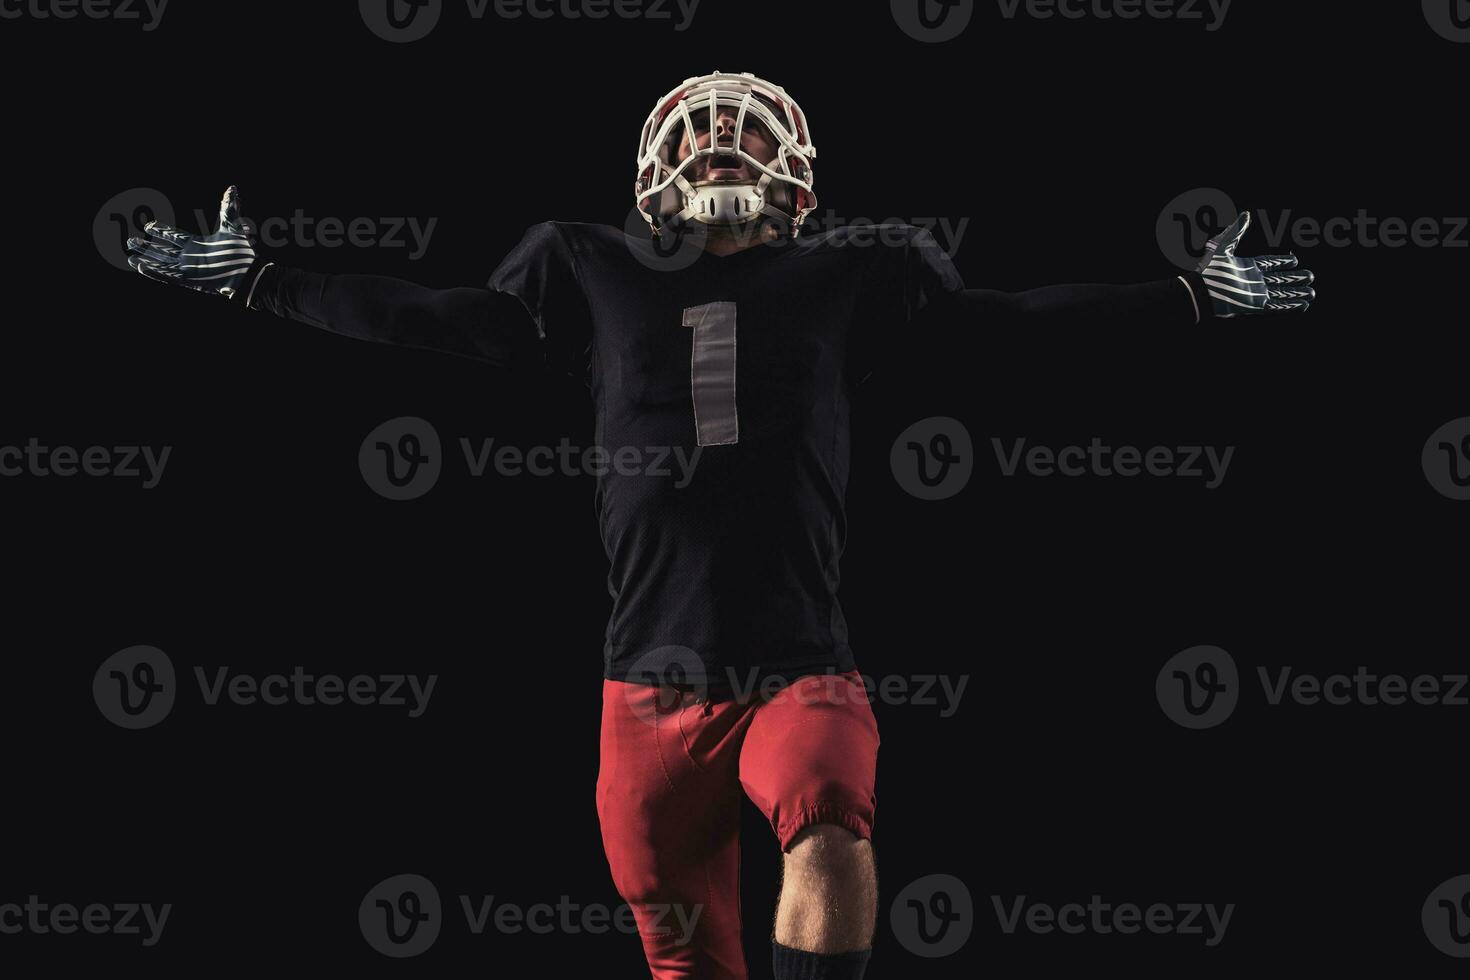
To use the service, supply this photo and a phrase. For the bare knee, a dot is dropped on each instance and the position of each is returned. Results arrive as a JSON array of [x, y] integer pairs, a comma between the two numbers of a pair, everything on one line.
[[829, 891], [828, 847]]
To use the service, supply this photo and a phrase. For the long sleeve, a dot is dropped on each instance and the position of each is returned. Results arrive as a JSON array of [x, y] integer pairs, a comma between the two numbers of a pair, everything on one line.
[[1162, 303], [480, 323], [916, 298]]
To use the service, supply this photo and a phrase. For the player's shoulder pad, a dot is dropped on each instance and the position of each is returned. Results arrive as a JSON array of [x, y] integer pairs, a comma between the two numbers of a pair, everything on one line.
[[577, 236], [564, 242]]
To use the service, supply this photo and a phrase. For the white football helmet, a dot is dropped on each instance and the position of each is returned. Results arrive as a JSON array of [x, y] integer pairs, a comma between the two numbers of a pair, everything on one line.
[[783, 192]]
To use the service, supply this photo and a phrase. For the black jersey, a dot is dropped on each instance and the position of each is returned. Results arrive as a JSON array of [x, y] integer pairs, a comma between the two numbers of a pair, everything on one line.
[[722, 394], [737, 373]]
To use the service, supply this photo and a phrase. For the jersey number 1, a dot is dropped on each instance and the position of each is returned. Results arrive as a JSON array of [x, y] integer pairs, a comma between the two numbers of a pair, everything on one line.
[[712, 373]]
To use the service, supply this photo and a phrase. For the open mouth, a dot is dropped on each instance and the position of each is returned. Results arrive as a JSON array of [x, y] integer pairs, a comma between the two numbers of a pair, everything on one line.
[[725, 163]]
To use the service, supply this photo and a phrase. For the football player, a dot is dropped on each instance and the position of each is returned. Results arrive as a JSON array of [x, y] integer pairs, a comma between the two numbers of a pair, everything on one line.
[[726, 662]]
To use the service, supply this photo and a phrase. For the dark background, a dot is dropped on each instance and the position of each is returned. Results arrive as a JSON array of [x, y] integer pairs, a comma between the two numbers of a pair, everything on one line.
[[1060, 599]]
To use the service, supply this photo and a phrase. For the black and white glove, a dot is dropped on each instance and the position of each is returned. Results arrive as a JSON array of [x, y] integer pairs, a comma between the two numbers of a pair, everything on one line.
[[218, 263], [1265, 284]]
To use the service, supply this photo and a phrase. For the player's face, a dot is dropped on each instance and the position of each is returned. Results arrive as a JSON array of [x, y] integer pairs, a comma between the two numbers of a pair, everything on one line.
[[755, 139]]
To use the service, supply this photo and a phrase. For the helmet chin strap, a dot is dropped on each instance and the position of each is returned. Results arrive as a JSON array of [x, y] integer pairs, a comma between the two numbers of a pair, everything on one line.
[[727, 204]]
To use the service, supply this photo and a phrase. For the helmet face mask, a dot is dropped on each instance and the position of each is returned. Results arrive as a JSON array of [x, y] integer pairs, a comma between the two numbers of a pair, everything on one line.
[[691, 170]]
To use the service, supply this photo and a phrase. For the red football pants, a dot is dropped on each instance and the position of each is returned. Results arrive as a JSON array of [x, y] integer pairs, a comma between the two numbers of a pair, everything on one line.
[[668, 796]]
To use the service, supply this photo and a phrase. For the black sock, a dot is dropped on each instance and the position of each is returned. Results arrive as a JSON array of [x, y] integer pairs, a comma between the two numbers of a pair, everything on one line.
[[796, 964]]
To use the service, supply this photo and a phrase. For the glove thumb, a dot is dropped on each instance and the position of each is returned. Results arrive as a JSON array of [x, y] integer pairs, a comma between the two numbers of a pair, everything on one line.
[[1226, 241], [231, 221]]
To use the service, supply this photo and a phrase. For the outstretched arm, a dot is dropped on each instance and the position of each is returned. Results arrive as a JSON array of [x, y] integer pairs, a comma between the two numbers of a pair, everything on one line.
[[1167, 302], [1224, 285], [480, 323]]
